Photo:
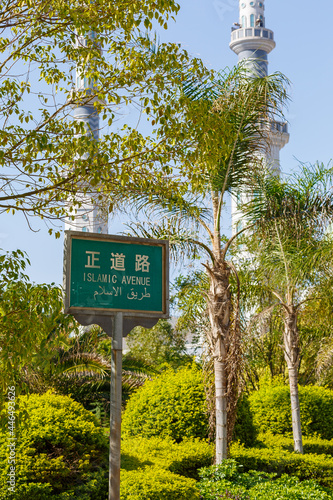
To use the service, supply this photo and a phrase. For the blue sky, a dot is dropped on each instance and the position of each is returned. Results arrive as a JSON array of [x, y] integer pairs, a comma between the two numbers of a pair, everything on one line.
[[303, 53]]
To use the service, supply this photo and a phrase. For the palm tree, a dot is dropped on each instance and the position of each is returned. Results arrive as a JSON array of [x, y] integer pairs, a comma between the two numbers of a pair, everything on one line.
[[81, 365], [225, 129], [290, 250]]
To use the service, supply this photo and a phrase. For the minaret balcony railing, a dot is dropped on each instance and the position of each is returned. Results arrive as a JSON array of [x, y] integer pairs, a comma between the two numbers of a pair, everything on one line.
[[281, 127], [239, 33], [274, 126]]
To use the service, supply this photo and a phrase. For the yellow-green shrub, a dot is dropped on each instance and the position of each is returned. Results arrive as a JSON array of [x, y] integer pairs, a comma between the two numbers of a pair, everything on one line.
[[245, 431], [60, 453], [154, 483], [310, 466], [310, 444], [172, 405], [272, 413], [183, 458], [154, 468]]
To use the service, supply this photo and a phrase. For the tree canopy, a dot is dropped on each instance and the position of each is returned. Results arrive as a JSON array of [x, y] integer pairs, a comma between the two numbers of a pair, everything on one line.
[[46, 158], [31, 320]]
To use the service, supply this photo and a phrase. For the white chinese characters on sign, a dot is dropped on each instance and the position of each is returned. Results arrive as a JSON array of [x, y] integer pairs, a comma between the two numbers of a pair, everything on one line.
[[117, 261], [92, 260], [141, 263]]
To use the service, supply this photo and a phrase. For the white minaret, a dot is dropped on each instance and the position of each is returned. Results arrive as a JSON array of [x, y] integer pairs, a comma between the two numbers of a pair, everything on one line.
[[88, 218], [252, 41]]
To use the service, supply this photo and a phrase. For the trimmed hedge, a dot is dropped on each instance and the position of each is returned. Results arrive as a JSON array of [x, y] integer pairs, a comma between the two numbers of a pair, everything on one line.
[[310, 444], [272, 412], [183, 458], [172, 405], [279, 461], [61, 452], [156, 484], [154, 468]]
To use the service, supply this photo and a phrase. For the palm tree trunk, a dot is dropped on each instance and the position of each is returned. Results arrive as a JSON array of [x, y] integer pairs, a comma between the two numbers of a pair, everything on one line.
[[295, 410], [219, 307], [292, 356], [221, 439]]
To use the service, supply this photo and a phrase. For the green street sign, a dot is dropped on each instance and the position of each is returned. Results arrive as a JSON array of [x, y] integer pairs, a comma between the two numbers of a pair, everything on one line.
[[106, 274]]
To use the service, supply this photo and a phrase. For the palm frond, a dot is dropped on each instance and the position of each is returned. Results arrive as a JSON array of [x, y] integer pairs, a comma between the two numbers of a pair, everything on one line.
[[182, 243], [305, 198], [289, 234], [137, 366], [189, 208], [236, 126], [83, 363]]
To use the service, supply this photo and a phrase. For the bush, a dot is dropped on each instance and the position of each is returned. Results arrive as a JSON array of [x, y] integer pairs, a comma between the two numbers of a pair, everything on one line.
[[172, 405], [60, 453], [228, 481], [156, 484], [245, 431], [183, 458], [279, 461], [272, 413]]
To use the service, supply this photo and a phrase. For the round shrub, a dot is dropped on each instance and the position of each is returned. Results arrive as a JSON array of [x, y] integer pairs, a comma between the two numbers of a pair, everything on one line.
[[60, 451], [172, 405], [156, 484], [272, 412]]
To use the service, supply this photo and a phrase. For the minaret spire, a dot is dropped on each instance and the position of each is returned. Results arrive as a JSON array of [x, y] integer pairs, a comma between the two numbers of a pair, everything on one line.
[[252, 42], [88, 217]]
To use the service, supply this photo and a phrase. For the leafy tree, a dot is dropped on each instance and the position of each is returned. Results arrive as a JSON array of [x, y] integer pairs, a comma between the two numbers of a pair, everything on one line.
[[290, 250], [31, 320], [158, 345], [46, 157], [227, 124]]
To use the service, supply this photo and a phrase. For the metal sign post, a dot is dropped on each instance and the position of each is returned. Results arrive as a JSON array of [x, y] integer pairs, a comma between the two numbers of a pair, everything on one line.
[[117, 283], [115, 408]]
